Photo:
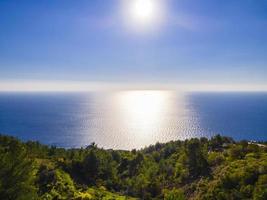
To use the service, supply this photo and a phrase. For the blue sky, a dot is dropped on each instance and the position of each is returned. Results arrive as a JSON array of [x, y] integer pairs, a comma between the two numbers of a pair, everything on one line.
[[198, 42]]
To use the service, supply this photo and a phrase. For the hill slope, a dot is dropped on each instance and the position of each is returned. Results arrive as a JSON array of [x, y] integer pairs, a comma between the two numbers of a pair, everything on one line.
[[219, 168]]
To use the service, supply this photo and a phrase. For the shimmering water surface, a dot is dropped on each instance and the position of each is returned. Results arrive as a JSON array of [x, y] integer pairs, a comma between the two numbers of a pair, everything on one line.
[[131, 119]]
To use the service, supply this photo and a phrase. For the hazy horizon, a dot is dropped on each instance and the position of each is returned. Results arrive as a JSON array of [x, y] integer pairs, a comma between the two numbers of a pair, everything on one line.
[[61, 86]]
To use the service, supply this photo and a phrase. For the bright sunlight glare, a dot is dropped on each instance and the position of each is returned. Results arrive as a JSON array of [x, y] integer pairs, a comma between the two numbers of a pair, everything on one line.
[[143, 10], [143, 13], [143, 109]]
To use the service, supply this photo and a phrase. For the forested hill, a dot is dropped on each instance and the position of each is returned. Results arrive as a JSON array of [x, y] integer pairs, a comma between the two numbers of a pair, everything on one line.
[[219, 168]]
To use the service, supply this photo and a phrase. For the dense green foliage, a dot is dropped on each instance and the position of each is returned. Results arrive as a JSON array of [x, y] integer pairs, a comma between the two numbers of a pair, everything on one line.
[[219, 168]]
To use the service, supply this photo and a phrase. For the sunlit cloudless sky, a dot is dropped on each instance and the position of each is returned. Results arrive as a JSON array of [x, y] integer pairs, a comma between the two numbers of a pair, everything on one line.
[[197, 41]]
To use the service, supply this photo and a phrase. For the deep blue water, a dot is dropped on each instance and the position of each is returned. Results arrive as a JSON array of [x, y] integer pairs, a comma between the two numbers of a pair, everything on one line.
[[128, 121]]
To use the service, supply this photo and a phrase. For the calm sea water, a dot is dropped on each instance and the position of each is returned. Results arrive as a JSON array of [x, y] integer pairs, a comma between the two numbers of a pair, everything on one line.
[[131, 119]]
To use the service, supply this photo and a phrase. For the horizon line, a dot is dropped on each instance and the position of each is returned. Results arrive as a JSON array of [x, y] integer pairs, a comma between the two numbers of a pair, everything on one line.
[[79, 86]]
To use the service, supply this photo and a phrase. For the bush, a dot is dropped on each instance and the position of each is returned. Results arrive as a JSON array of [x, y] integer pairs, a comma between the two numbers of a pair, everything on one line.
[[174, 194]]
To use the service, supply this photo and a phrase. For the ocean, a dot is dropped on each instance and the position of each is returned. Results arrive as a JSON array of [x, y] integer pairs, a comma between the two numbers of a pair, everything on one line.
[[131, 119]]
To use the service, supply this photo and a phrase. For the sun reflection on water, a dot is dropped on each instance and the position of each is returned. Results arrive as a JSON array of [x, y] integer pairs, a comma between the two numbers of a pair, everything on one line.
[[138, 118], [142, 111]]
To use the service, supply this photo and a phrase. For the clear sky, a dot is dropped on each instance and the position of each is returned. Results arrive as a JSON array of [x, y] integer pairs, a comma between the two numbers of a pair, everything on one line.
[[193, 42]]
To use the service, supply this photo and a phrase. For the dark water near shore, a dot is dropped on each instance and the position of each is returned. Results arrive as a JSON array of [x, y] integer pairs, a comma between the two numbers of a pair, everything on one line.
[[131, 119]]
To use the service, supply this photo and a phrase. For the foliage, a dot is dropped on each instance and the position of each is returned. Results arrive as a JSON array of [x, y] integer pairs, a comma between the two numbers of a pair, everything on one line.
[[174, 194], [219, 168], [16, 171]]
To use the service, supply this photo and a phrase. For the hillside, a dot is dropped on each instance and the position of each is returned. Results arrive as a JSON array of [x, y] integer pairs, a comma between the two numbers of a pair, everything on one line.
[[219, 168]]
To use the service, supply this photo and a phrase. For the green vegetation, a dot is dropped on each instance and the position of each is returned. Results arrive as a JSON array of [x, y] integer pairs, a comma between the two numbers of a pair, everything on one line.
[[215, 169]]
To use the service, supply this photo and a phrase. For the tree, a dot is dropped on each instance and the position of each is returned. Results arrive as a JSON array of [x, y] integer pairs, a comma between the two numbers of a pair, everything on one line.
[[134, 164], [196, 159], [17, 172], [216, 142], [91, 167]]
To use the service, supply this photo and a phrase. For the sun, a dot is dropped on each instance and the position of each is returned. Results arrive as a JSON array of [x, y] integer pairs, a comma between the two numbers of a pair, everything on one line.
[[143, 13]]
